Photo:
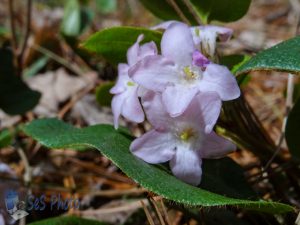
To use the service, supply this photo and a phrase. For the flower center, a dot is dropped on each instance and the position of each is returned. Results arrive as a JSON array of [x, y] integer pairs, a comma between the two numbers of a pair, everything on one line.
[[190, 73], [130, 83], [186, 134], [197, 32]]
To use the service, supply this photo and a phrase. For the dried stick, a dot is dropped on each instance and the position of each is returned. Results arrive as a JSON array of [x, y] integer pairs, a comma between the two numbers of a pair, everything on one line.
[[193, 11], [19, 53], [178, 11], [13, 29], [27, 33], [161, 220], [148, 215]]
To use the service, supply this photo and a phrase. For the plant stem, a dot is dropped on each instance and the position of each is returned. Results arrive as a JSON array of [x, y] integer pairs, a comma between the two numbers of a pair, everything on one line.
[[19, 52], [26, 36], [178, 11], [193, 11], [13, 30]]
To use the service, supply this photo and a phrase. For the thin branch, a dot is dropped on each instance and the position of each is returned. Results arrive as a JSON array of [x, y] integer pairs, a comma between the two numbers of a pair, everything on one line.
[[178, 11], [59, 59], [193, 11], [160, 217], [165, 212], [278, 148], [27, 177], [27, 33], [148, 215], [27, 174], [14, 41], [74, 100]]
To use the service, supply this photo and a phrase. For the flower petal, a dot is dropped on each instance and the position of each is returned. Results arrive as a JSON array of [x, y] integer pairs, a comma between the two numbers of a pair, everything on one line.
[[200, 60], [133, 51], [203, 111], [123, 78], [155, 111], [214, 146], [147, 49], [186, 165], [116, 105], [164, 25], [154, 147], [208, 36], [154, 73], [210, 107], [132, 109], [136, 52], [177, 98], [223, 33], [219, 79], [177, 44]]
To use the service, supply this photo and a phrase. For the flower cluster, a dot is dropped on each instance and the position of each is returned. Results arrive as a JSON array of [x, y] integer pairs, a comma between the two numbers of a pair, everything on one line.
[[181, 92]]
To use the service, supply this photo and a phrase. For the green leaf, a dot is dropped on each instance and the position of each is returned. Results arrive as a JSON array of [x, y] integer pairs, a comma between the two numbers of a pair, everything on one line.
[[162, 9], [72, 18], [115, 146], [76, 18], [6, 137], [106, 6], [103, 96], [231, 181], [4, 31], [70, 220], [222, 10], [36, 67], [292, 131], [282, 57], [15, 96], [113, 43]]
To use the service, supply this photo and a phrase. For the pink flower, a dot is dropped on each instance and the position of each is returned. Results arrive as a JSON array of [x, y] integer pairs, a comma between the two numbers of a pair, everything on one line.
[[181, 140], [177, 76], [205, 37], [126, 99]]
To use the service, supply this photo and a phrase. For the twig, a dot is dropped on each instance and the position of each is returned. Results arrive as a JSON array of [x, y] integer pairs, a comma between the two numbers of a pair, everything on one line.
[[147, 213], [131, 206], [161, 220], [27, 177], [58, 59], [193, 11], [165, 212], [19, 53], [73, 101], [27, 32], [278, 148], [115, 192], [13, 30], [178, 11], [103, 172]]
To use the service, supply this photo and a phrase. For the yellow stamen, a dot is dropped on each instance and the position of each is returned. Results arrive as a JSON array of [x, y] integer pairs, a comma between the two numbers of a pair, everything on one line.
[[129, 83], [197, 32], [187, 134], [189, 74]]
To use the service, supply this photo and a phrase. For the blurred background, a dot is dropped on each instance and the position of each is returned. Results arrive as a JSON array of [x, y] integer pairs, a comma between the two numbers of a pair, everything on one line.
[[74, 86]]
